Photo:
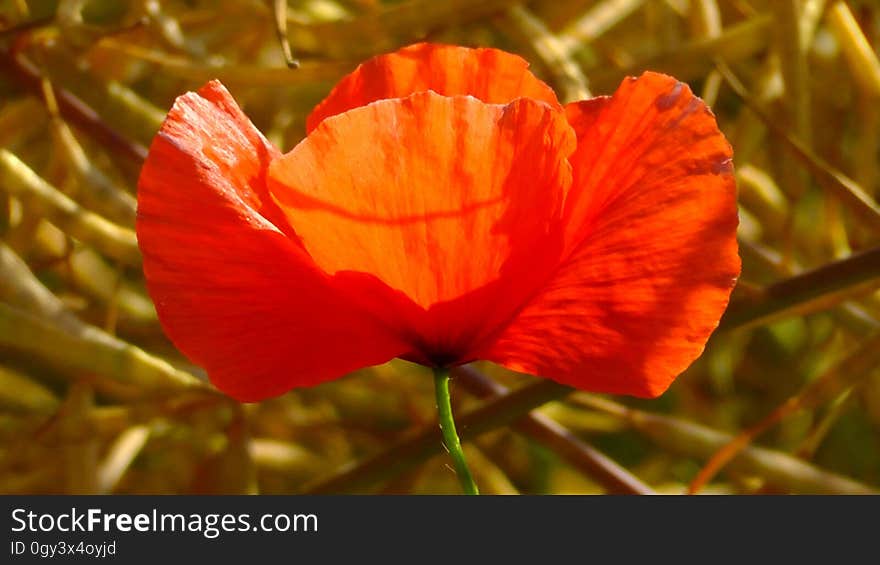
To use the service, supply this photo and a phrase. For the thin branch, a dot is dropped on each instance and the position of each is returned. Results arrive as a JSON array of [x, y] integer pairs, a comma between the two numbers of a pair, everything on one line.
[[567, 74], [72, 108], [427, 442], [105, 236], [90, 351], [695, 440], [850, 371], [807, 292], [832, 179], [584, 457], [40, 325], [280, 16]]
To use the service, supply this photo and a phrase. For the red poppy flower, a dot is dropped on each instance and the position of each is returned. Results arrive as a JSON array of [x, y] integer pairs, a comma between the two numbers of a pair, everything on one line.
[[443, 208]]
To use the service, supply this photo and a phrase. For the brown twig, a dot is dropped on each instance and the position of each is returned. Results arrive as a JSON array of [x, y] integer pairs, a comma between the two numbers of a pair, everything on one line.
[[613, 478], [280, 13], [72, 108], [832, 179], [848, 372], [819, 288], [426, 442]]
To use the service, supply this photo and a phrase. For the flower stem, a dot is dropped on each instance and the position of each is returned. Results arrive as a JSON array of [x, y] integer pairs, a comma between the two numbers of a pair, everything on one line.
[[450, 436]]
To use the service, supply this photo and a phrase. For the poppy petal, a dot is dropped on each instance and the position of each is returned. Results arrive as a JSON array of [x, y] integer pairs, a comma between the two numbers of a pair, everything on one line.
[[651, 253], [233, 291], [451, 205], [491, 75]]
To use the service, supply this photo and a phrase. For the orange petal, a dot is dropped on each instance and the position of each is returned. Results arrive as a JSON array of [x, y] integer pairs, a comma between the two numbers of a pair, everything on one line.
[[451, 206], [493, 76], [651, 253], [234, 292]]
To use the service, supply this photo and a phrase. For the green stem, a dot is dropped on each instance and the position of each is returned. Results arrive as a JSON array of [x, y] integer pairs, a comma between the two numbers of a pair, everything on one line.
[[450, 436]]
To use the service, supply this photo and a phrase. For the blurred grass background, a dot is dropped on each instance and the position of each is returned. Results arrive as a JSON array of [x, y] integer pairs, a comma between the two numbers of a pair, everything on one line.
[[93, 398]]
